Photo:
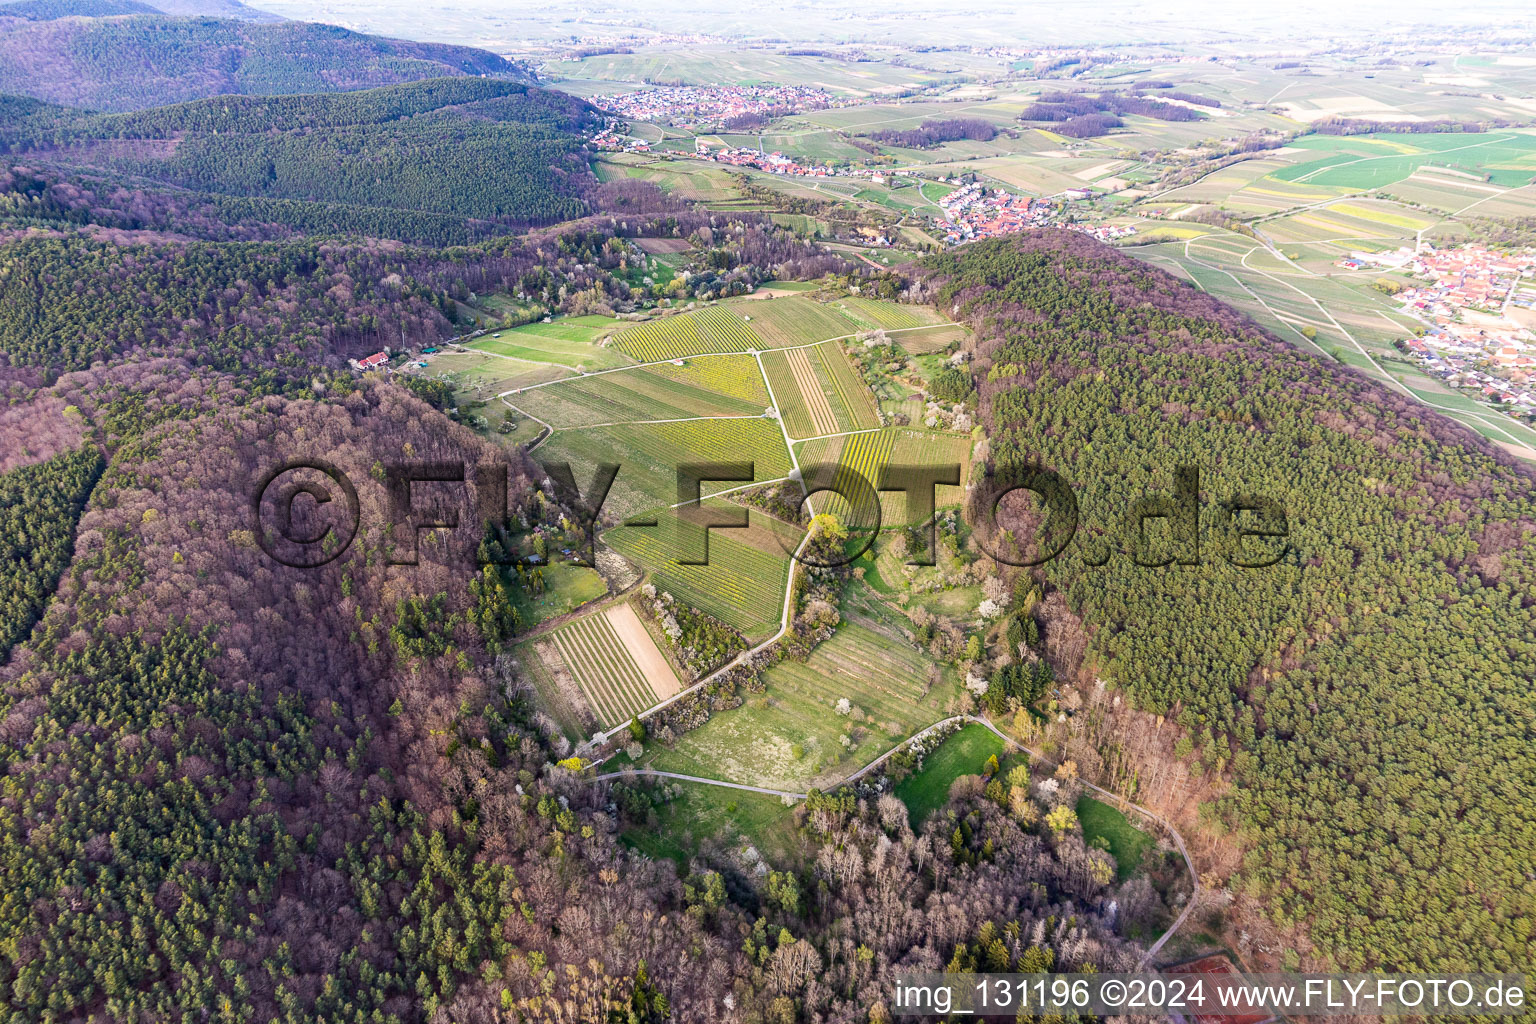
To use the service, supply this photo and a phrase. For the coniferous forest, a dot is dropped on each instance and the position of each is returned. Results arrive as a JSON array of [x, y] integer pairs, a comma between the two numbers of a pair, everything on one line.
[[1367, 693]]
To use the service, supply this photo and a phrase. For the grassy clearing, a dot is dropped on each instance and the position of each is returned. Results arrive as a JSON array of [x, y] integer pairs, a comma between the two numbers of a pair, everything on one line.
[[791, 736], [1127, 843], [701, 813], [481, 375], [964, 753], [703, 386], [566, 344], [566, 588], [649, 456]]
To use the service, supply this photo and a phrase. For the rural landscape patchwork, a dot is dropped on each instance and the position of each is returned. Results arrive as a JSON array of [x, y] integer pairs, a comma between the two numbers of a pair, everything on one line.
[[640, 513]]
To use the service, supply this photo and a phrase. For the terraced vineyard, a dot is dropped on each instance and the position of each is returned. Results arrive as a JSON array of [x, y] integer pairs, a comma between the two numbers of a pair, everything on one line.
[[793, 320], [743, 584], [649, 455], [711, 329], [791, 737], [613, 684], [705, 386]]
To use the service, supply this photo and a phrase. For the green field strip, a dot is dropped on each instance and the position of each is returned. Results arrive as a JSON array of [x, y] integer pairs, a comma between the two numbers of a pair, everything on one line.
[[888, 315], [648, 393], [792, 320], [858, 403], [712, 329], [791, 403]]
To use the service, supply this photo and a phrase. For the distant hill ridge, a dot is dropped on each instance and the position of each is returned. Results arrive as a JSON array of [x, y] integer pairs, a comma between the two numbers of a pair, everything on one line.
[[417, 161], [149, 60], [50, 10]]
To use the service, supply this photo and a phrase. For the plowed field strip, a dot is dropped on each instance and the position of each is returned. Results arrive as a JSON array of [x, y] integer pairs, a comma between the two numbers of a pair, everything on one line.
[[822, 415]]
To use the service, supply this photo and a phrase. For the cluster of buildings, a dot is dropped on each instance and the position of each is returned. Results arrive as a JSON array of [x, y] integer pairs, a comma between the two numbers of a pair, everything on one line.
[[1479, 311], [1105, 232], [695, 106], [773, 163], [976, 211]]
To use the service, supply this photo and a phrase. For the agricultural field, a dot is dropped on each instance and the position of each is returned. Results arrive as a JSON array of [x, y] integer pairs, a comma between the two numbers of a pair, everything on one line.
[[793, 320], [963, 753], [568, 346], [1348, 320], [722, 65], [873, 313], [1505, 158], [649, 455], [702, 386], [613, 662], [792, 737], [693, 180], [855, 460], [818, 391], [930, 339], [711, 329], [743, 584]]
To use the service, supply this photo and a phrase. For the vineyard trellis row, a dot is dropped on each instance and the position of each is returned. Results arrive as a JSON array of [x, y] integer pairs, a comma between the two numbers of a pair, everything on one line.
[[859, 460], [607, 675], [712, 329]]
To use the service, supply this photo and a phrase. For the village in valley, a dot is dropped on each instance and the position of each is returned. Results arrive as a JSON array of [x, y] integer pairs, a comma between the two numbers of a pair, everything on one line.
[[689, 106], [1478, 308]]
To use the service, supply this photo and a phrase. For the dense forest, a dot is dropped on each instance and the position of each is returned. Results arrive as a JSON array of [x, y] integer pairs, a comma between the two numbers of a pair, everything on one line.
[[1369, 693], [150, 60], [356, 812], [48, 10], [283, 309], [1084, 115], [932, 133], [39, 505], [419, 161]]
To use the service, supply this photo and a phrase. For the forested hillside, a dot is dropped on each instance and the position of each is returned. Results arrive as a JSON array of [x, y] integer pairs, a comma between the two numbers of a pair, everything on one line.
[[1369, 694], [416, 161], [48, 10], [356, 816], [281, 310], [148, 60]]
